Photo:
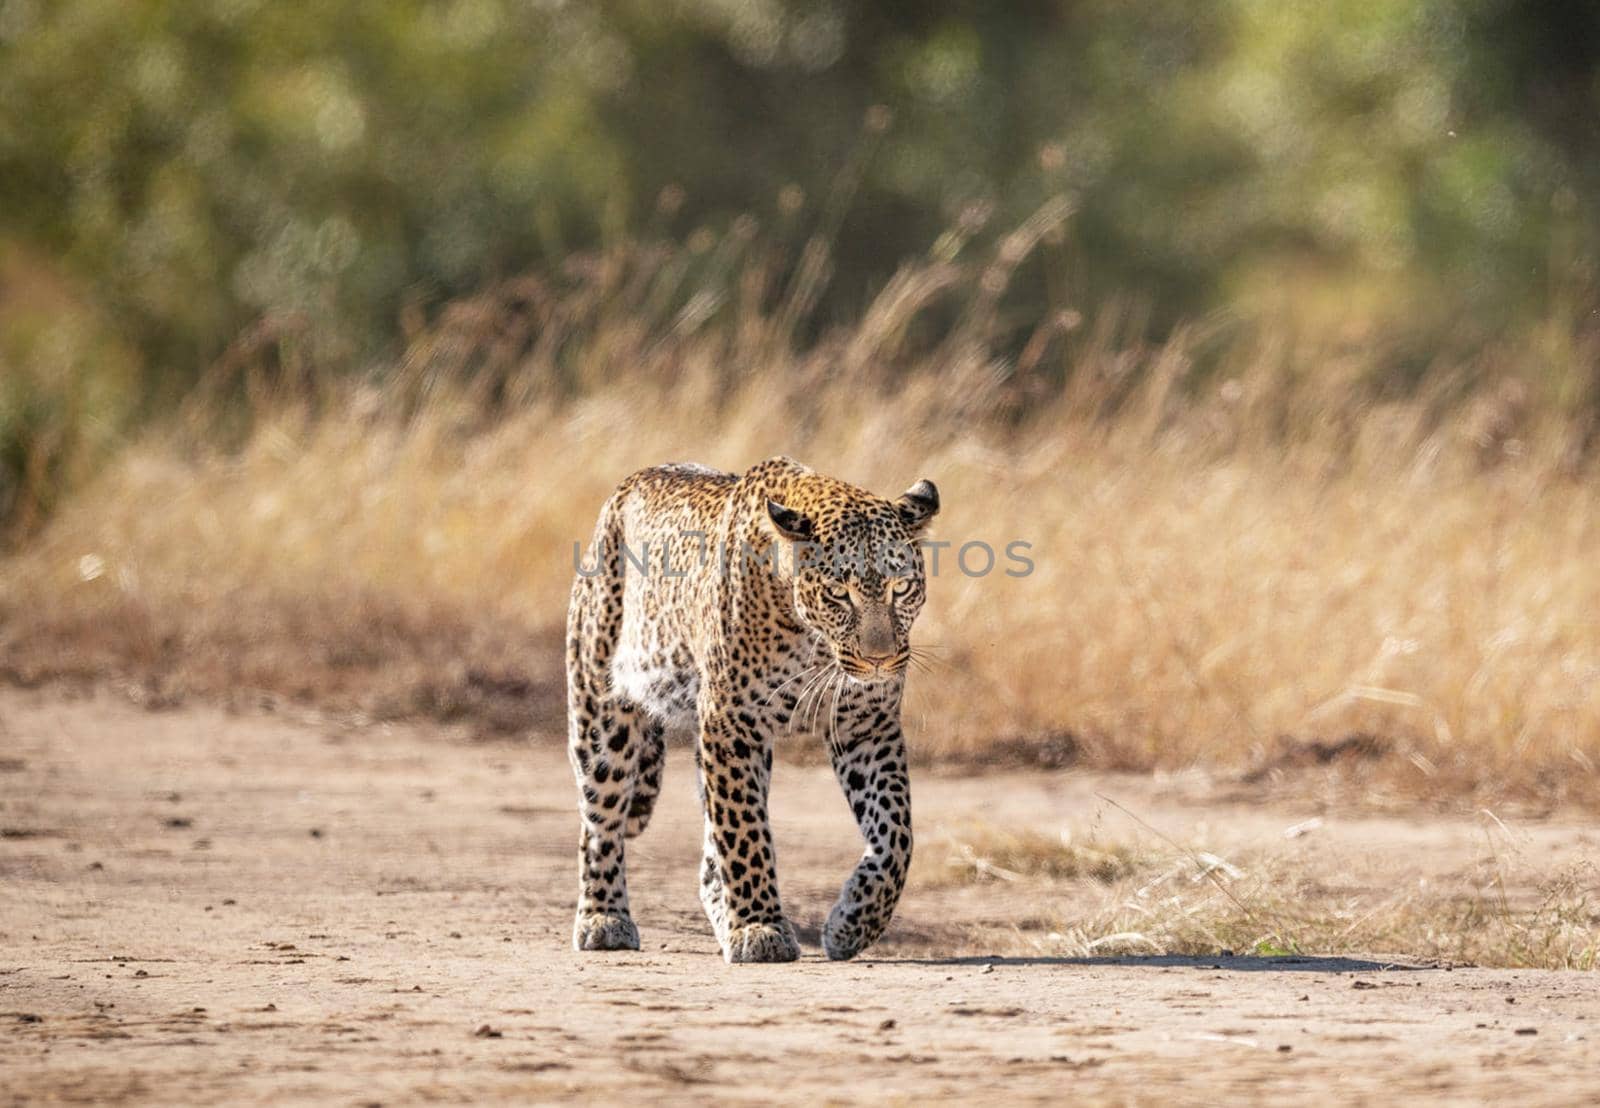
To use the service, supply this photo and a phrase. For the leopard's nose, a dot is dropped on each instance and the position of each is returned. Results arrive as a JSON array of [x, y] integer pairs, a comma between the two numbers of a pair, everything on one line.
[[875, 640]]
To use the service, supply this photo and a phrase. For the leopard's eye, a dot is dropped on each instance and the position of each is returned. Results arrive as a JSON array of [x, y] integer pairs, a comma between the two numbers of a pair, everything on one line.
[[901, 586], [838, 592]]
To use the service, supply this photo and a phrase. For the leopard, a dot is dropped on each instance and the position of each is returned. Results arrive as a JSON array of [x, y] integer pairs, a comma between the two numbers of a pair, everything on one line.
[[726, 611]]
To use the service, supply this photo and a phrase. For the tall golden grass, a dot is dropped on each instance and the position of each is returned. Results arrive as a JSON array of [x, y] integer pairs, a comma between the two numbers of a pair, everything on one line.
[[1265, 564]]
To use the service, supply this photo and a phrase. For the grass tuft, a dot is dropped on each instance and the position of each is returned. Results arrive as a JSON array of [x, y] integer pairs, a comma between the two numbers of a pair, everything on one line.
[[1113, 898], [980, 854]]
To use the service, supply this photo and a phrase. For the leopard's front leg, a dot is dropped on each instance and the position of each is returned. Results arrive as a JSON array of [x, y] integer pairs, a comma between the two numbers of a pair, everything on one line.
[[739, 879], [871, 768]]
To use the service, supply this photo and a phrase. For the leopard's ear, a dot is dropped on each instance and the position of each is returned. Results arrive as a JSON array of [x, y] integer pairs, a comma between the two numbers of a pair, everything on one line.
[[790, 524], [917, 505]]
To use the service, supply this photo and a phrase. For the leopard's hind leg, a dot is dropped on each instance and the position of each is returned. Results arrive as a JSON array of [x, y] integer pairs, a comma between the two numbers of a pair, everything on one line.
[[605, 752], [647, 777], [606, 732]]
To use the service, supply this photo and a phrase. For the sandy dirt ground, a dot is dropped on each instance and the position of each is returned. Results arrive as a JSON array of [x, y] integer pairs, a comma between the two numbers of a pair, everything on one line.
[[198, 907]]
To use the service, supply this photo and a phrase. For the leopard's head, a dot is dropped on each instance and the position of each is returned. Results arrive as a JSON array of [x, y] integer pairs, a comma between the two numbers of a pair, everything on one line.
[[857, 570]]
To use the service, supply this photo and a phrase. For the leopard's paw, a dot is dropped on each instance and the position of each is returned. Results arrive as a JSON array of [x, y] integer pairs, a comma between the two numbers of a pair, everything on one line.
[[762, 942], [843, 937], [604, 931]]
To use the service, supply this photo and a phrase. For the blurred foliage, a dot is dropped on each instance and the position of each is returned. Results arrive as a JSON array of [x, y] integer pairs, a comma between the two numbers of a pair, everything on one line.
[[1424, 172], [67, 389]]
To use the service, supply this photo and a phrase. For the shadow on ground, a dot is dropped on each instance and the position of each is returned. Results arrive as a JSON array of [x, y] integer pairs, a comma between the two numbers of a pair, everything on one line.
[[1287, 963]]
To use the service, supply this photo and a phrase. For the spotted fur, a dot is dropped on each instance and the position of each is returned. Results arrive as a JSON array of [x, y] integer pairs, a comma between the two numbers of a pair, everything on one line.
[[791, 613]]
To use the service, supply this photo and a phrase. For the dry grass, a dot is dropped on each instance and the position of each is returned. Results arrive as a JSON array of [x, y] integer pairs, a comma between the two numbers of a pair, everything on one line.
[[1265, 567], [1140, 897], [982, 853]]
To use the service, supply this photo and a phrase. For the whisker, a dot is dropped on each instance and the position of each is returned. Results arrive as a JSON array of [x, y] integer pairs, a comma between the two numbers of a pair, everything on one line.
[[816, 702], [833, 712], [807, 671], [818, 672], [814, 684], [814, 705]]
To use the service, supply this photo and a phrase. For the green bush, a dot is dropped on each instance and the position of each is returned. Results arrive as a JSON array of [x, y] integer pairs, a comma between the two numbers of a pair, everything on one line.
[[1424, 172]]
